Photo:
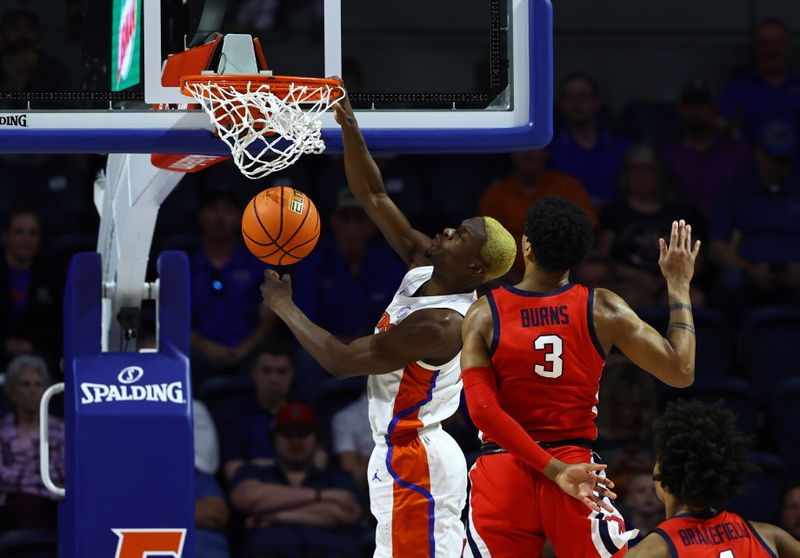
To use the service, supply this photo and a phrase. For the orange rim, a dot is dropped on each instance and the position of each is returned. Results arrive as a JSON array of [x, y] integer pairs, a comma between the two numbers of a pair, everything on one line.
[[279, 85]]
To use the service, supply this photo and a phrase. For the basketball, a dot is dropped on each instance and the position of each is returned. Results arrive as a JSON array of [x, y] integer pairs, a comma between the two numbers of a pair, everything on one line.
[[280, 225]]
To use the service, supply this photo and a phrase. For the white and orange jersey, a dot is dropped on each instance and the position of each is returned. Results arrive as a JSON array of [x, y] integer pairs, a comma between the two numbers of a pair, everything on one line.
[[419, 395]]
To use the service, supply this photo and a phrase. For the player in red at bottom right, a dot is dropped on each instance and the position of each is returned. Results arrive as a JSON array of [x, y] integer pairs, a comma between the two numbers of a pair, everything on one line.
[[532, 359], [700, 462]]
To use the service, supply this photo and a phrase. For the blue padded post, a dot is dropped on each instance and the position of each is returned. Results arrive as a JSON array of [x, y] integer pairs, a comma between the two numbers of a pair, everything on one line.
[[129, 445]]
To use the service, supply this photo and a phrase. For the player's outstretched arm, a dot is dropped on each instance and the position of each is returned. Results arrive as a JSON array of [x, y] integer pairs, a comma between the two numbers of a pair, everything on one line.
[[781, 542], [430, 335], [671, 359], [580, 480], [366, 183], [652, 546]]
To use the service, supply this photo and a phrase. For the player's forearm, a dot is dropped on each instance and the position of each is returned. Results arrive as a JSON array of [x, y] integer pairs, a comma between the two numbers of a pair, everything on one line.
[[492, 420], [362, 172], [322, 345], [681, 333]]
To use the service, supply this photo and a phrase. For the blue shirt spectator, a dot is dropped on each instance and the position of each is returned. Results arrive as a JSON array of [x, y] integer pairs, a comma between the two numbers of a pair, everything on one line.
[[347, 282], [227, 320], [766, 216], [28, 297], [702, 160], [769, 91], [226, 299], [755, 236], [583, 148], [294, 508], [245, 436], [211, 513]]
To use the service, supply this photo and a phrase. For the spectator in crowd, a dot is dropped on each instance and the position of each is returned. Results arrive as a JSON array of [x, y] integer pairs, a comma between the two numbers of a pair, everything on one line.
[[402, 179], [206, 441], [228, 321], [756, 228], [24, 501], [596, 271], [640, 506], [211, 517], [347, 281], [509, 199], [702, 160], [770, 90], [631, 226], [245, 439], [583, 148], [24, 67], [211, 509], [790, 513], [627, 408], [292, 507], [353, 442], [27, 299]]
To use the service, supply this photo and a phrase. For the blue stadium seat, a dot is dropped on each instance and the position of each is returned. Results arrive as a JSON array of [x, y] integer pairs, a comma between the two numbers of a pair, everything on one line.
[[714, 345], [649, 122], [762, 494], [734, 393], [785, 414], [770, 339], [225, 395], [29, 543]]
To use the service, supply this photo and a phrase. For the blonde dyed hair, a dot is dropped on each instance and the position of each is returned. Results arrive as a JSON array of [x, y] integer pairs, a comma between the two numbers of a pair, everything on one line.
[[499, 250]]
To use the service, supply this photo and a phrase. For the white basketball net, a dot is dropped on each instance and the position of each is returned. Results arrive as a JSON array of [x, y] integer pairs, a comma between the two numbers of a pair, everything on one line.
[[264, 132]]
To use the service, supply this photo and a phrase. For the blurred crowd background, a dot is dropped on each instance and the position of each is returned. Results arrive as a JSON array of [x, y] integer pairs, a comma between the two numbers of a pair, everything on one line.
[[719, 149]]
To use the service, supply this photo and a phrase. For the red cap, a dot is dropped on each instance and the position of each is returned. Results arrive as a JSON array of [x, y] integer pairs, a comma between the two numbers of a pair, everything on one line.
[[295, 414]]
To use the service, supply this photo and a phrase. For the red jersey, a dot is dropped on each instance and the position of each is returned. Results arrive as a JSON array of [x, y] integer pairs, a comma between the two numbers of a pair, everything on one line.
[[548, 360], [725, 535]]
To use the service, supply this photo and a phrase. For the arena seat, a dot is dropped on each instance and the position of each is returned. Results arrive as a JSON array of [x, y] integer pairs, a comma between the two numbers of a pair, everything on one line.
[[770, 337], [29, 543], [714, 343], [785, 414], [762, 493], [734, 393]]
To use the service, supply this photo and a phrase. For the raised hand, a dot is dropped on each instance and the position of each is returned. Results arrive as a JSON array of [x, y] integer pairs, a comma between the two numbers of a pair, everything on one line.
[[343, 112], [677, 258]]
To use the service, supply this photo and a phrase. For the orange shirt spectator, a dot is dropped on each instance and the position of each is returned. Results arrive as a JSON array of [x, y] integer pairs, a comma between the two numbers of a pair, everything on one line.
[[508, 200]]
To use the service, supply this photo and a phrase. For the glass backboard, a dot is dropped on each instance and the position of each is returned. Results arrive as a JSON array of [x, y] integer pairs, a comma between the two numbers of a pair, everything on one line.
[[424, 77]]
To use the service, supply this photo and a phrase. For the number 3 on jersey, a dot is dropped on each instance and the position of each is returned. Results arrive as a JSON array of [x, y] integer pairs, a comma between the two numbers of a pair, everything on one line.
[[554, 346]]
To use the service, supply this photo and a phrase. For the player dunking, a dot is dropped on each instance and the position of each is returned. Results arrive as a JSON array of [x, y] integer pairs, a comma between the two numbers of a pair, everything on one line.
[[532, 359], [700, 462], [417, 472]]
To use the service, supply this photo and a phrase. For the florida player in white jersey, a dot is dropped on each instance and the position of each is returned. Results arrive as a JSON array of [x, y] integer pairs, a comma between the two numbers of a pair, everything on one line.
[[417, 473]]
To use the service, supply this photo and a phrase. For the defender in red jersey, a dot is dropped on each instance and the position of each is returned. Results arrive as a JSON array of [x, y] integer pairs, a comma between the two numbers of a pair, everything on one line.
[[532, 359], [700, 463]]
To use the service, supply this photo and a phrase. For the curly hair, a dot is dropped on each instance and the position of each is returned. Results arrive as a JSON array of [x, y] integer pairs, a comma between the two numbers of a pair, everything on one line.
[[702, 458], [560, 233]]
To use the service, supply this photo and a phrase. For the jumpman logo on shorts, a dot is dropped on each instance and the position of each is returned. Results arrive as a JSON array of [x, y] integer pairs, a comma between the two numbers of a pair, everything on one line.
[[376, 477]]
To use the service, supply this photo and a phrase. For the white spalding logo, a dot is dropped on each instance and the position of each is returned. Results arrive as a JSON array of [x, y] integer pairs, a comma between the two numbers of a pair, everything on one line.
[[106, 393]]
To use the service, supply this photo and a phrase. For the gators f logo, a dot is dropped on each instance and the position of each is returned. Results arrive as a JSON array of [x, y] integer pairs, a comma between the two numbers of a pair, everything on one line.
[[141, 543]]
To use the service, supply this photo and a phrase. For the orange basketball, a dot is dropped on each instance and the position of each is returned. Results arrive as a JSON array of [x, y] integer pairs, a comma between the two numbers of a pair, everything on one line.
[[280, 225]]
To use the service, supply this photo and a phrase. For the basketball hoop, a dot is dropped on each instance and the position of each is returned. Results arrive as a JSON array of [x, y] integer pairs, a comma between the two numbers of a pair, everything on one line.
[[267, 121]]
